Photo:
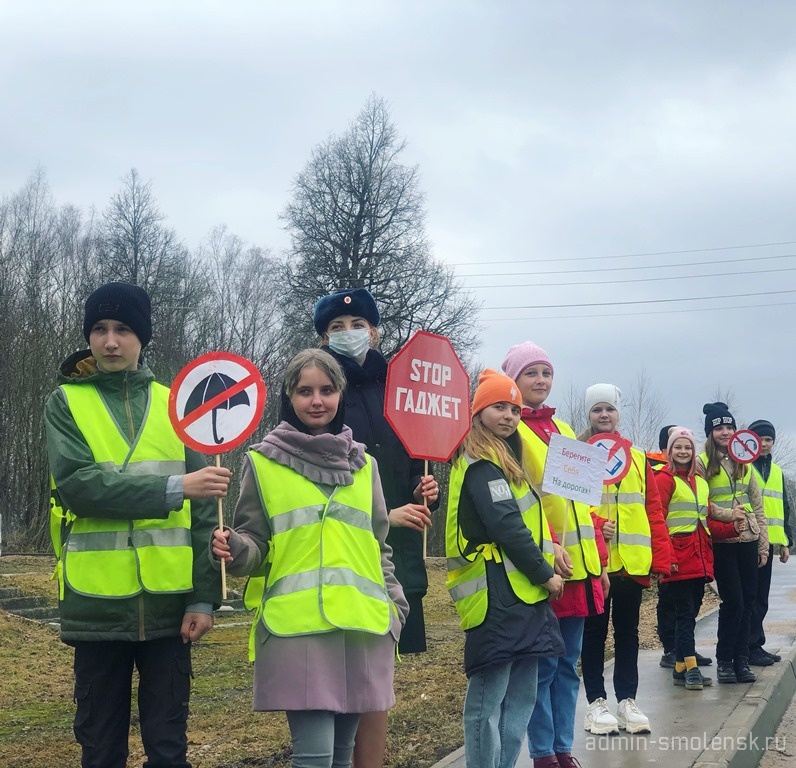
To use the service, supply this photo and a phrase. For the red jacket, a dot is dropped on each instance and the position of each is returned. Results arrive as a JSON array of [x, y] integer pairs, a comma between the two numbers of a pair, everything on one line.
[[693, 551]]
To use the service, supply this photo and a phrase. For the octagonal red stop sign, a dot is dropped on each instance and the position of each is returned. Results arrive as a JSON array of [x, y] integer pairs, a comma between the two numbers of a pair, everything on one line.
[[428, 397]]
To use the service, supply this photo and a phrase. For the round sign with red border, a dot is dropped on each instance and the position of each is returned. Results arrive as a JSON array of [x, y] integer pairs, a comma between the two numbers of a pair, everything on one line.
[[216, 402], [744, 446], [619, 459]]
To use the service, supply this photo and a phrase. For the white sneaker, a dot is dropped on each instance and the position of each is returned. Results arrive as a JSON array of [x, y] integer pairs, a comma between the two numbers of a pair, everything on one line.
[[599, 719], [631, 718]]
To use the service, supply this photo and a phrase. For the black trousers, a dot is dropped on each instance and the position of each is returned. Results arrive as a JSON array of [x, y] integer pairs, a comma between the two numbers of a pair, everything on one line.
[[686, 595], [622, 605], [665, 613], [103, 687], [735, 568], [757, 635]]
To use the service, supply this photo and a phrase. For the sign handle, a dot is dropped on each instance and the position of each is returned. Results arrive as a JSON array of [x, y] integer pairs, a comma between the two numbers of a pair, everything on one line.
[[563, 540], [221, 528], [425, 504]]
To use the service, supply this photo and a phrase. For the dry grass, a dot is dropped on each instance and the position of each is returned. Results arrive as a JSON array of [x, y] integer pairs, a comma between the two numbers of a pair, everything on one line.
[[36, 708]]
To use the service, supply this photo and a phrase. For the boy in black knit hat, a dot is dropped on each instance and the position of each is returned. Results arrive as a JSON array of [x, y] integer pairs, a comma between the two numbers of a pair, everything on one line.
[[133, 512], [780, 537]]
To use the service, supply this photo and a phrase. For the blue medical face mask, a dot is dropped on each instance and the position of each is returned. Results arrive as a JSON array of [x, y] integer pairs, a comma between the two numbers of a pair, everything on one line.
[[350, 343]]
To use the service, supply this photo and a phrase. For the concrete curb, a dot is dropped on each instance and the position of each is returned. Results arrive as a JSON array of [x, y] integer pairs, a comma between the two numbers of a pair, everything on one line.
[[451, 759], [743, 739]]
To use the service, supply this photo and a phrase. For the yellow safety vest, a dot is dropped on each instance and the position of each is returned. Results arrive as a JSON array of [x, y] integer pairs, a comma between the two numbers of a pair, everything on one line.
[[773, 503], [101, 557], [688, 509], [467, 572], [324, 561], [571, 520], [625, 502], [726, 492]]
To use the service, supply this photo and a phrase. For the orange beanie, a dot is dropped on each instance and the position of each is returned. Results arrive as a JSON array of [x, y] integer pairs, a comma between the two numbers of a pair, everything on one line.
[[494, 387]]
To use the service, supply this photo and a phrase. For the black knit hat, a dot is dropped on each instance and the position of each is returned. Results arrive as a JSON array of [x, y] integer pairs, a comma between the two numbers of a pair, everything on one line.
[[124, 302], [763, 428], [352, 301], [663, 436], [717, 414]]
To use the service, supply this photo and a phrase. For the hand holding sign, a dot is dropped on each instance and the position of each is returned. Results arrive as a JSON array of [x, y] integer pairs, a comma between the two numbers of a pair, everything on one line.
[[215, 403], [427, 402]]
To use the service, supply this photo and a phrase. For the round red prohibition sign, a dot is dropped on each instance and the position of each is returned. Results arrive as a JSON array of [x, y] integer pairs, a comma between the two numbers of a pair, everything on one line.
[[744, 446], [216, 402], [427, 399], [618, 462]]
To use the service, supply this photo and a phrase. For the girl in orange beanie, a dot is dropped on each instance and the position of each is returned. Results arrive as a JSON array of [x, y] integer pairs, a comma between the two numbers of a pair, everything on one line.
[[500, 576]]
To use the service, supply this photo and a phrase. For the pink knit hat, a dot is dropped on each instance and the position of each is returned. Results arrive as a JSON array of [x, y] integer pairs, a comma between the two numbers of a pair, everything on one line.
[[675, 434], [520, 356]]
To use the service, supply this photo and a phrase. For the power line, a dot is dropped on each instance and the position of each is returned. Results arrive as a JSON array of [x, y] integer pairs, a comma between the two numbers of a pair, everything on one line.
[[633, 255], [635, 314], [626, 269], [641, 301], [640, 279]]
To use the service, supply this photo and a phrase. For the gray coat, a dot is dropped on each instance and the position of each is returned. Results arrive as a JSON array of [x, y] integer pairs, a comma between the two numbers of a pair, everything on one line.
[[340, 671]]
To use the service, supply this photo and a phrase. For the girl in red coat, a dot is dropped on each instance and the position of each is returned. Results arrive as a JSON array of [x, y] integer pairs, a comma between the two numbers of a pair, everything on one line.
[[686, 504]]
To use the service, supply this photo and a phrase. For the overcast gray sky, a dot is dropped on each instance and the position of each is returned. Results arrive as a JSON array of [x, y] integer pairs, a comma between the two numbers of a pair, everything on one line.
[[552, 136]]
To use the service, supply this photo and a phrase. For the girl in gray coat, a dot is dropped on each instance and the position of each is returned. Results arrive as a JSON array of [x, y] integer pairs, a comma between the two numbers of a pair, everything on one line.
[[311, 508]]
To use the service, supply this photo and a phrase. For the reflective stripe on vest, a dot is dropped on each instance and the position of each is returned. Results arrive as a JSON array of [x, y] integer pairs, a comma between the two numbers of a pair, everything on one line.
[[571, 520], [773, 503], [324, 561], [726, 492], [466, 581], [625, 502], [102, 557], [687, 508]]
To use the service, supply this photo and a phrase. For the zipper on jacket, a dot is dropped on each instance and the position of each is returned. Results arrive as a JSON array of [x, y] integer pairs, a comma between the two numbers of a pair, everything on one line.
[[127, 409]]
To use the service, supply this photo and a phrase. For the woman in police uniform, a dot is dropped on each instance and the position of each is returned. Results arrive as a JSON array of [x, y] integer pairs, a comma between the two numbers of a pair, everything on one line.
[[311, 504]]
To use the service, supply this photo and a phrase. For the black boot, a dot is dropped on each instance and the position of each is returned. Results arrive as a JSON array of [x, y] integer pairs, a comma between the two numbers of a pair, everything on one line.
[[759, 658], [725, 673], [742, 670]]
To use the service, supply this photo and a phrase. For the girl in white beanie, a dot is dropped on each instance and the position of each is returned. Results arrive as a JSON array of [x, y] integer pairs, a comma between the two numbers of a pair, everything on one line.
[[639, 545]]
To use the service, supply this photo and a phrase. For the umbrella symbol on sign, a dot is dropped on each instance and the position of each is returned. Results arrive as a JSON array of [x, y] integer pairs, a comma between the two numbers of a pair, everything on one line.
[[213, 385]]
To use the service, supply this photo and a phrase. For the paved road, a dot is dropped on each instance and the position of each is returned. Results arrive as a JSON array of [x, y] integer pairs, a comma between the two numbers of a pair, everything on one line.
[[716, 725]]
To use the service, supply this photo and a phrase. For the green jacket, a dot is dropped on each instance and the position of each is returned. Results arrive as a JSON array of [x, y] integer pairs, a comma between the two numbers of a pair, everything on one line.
[[85, 490]]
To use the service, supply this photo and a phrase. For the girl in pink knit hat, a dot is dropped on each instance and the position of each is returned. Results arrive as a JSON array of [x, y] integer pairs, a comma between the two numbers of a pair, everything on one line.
[[551, 730]]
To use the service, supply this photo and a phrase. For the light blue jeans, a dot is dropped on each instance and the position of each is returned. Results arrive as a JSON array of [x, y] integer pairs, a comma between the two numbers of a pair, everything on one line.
[[497, 707], [552, 726], [322, 739]]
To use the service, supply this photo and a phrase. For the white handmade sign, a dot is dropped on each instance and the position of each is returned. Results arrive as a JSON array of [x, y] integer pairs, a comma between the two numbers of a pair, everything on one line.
[[574, 470]]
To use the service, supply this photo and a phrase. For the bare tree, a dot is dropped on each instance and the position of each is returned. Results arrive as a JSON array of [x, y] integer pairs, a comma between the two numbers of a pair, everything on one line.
[[137, 248], [643, 413], [357, 219], [573, 409]]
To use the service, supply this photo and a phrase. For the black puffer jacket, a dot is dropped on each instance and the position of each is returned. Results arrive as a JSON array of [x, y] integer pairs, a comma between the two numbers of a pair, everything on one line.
[[364, 413]]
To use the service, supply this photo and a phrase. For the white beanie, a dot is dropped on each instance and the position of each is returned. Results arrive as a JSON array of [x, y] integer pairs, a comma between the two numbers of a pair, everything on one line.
[[603, 393]]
